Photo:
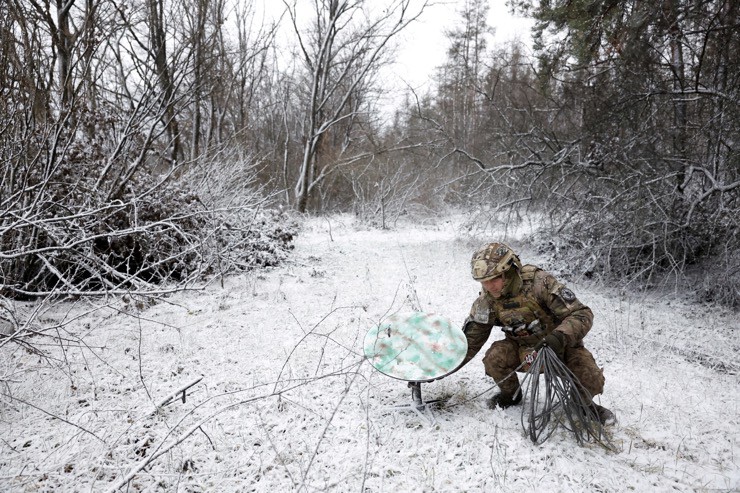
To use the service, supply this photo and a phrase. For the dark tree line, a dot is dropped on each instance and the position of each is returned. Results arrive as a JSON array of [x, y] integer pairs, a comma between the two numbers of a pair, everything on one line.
[[139, 138], [658, 87], [622, 131]]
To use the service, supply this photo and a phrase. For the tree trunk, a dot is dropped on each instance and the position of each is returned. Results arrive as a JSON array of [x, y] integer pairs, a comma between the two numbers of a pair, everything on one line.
[[198, 61], [679, 101], [158, 51]]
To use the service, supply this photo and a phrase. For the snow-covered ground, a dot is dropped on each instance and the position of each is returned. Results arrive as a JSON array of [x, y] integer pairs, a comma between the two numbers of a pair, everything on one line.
[[287, 402]]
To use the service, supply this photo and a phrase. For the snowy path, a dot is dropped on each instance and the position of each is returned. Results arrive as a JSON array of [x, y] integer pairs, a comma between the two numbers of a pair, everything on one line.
[[287, 404]]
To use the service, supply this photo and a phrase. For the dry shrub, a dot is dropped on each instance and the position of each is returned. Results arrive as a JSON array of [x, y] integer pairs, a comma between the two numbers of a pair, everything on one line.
[[78, 240], [650, 246]]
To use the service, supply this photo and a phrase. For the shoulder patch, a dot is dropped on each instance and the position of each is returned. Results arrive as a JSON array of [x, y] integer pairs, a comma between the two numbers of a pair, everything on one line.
[[567, 295], [481, 310]]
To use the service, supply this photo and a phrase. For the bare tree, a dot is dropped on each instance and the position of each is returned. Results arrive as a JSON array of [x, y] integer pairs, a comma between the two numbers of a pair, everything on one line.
[[341, 50], [158, 52], [93, 198]]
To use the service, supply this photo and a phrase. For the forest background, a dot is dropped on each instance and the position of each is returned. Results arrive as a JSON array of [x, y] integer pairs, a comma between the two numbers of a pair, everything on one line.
[[154, 146], [145, 141]]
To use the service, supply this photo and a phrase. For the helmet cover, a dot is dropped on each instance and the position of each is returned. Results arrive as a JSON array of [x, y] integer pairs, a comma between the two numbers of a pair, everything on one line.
[[493, 260]]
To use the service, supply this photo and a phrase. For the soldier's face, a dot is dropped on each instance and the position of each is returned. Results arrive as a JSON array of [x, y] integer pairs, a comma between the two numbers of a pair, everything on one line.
[[494, 286]]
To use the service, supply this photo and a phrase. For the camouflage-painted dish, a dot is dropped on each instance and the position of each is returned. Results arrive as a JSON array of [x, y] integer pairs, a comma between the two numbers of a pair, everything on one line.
[[416, 347]]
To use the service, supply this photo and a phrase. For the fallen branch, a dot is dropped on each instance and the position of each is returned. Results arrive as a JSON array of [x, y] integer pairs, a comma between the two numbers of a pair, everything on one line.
[[52, 415], [170, 397], [162, 449]]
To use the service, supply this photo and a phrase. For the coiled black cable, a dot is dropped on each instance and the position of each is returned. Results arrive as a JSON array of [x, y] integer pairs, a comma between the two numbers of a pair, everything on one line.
[[556, 399]]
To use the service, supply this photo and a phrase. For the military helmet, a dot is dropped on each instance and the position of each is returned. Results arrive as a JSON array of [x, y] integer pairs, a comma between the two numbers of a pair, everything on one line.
[[493, 260]]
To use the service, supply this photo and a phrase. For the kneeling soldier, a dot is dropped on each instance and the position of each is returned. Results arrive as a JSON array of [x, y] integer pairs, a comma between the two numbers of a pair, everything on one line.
[[534, 310]]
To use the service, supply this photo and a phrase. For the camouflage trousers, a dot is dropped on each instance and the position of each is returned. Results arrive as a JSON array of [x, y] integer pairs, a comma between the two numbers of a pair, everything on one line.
[[502, 358]]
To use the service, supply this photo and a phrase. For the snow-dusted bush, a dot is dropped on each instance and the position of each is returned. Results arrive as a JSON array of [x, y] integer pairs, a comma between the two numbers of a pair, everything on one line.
[[646, 238], [63, 230]]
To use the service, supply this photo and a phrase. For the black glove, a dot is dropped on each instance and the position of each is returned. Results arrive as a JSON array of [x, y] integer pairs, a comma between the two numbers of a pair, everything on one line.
[[555, 341]]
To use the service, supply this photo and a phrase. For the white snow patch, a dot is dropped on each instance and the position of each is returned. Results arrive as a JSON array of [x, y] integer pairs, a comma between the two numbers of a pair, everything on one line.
[[287, 402]]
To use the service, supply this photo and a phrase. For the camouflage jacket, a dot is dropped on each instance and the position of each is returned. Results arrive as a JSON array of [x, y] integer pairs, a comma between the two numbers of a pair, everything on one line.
[[540, 298]]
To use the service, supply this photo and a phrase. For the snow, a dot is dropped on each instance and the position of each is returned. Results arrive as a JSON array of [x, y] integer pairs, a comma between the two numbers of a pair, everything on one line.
[[287, 402]]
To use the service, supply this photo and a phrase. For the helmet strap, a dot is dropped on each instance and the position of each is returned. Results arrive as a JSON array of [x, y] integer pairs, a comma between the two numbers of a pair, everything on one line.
[[512, 282]]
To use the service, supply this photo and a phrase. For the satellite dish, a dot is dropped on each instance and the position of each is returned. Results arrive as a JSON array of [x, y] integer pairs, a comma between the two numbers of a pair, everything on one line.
[[415, 347]]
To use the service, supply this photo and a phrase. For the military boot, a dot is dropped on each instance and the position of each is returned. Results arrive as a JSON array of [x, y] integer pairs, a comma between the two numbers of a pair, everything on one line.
[[504, 400], [604, 415]]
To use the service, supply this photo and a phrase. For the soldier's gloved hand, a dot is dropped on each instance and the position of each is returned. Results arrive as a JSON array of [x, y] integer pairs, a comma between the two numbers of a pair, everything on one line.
[[555, 341]]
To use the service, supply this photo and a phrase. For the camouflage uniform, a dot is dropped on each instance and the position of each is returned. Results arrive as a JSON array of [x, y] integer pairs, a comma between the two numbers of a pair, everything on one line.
[[533, 295]]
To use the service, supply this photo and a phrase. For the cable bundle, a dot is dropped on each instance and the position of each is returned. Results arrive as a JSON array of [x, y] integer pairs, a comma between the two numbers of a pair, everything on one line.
[[560, 401]]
